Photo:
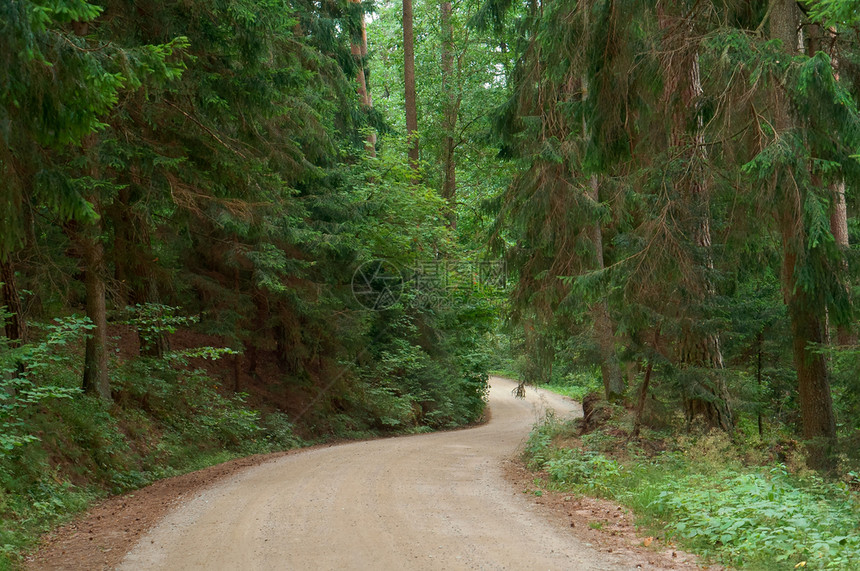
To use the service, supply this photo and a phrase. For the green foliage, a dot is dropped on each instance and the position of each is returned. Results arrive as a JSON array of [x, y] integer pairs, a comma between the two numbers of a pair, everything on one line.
[[588, 470], [577, 384], [215, 151], [57, 88], [24, 375], [676, 210], [751, 518], [168, 418], [761, 520], [154, 320], [830, 12], [416, 380], [191, 405]]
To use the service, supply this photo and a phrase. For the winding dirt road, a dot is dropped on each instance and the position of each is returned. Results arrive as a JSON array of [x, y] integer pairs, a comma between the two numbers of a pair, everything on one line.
[[432, 501]]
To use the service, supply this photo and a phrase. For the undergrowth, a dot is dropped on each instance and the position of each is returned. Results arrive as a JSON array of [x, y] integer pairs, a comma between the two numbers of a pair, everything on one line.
[[60, 449], [701, 497]]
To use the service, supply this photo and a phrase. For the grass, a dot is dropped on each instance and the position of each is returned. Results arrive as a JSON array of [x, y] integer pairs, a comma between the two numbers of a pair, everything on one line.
[[703, 498], [574, 385]]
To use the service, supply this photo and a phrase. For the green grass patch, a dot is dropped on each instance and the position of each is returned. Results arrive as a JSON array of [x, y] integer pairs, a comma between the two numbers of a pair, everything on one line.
[[747, 517], [574, 385]]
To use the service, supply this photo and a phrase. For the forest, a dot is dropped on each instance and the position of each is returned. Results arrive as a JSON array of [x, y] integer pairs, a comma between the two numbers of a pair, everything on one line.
[[231, 227]]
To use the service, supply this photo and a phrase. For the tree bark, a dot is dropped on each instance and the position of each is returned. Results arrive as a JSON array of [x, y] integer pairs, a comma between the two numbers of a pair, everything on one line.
[[409, 85], [640, 402], [96, 380], [708, 396], [839, 228], [91, 249], [758, 372], [604, 328], [358, 48], [838, 206], [816, 402], [452, 105], [15, 325], [132, 258]]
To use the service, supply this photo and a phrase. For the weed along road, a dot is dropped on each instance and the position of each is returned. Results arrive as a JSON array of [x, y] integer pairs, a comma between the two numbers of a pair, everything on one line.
[[431, 501]]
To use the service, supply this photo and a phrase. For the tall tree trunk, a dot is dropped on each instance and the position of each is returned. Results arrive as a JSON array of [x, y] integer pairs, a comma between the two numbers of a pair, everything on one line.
[[708, 396], [758, 372], [96, 380], [839, 228], [816, 402], [358, 48], [409, 81], [640, 401], [88, 239], [838, 206], [452, 108], [134, 271], [126, 248], [91, 249], [16, 325], [604, 328]]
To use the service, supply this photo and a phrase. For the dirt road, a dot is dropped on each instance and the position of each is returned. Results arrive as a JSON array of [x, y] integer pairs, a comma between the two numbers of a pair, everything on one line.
[[433, 501]]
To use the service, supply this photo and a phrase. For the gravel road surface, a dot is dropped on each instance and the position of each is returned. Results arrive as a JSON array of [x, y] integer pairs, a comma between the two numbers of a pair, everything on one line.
[[431, 501]]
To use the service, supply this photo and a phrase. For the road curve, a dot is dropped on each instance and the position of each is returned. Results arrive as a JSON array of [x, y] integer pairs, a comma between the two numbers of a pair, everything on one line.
[[431, 501]]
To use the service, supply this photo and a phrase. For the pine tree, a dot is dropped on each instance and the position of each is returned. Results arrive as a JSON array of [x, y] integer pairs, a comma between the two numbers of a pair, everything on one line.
[[450, 113], [48, 113], [805, 311], [410, 97]]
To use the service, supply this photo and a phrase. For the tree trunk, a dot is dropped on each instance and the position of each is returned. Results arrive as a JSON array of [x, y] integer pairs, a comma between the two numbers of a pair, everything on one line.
[[640, 402], [758, 371], [409, 84], [708, 395], [604, 328], [132, 257], [839, 228], [839, 215], [91, 249], [452, 104], [358, 48], [15, 325], [96, 380], [816, 402], [88, 240], [838, 206]]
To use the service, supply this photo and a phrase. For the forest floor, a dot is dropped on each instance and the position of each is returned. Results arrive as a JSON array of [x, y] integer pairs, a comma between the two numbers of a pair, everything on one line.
[[453, 500]]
